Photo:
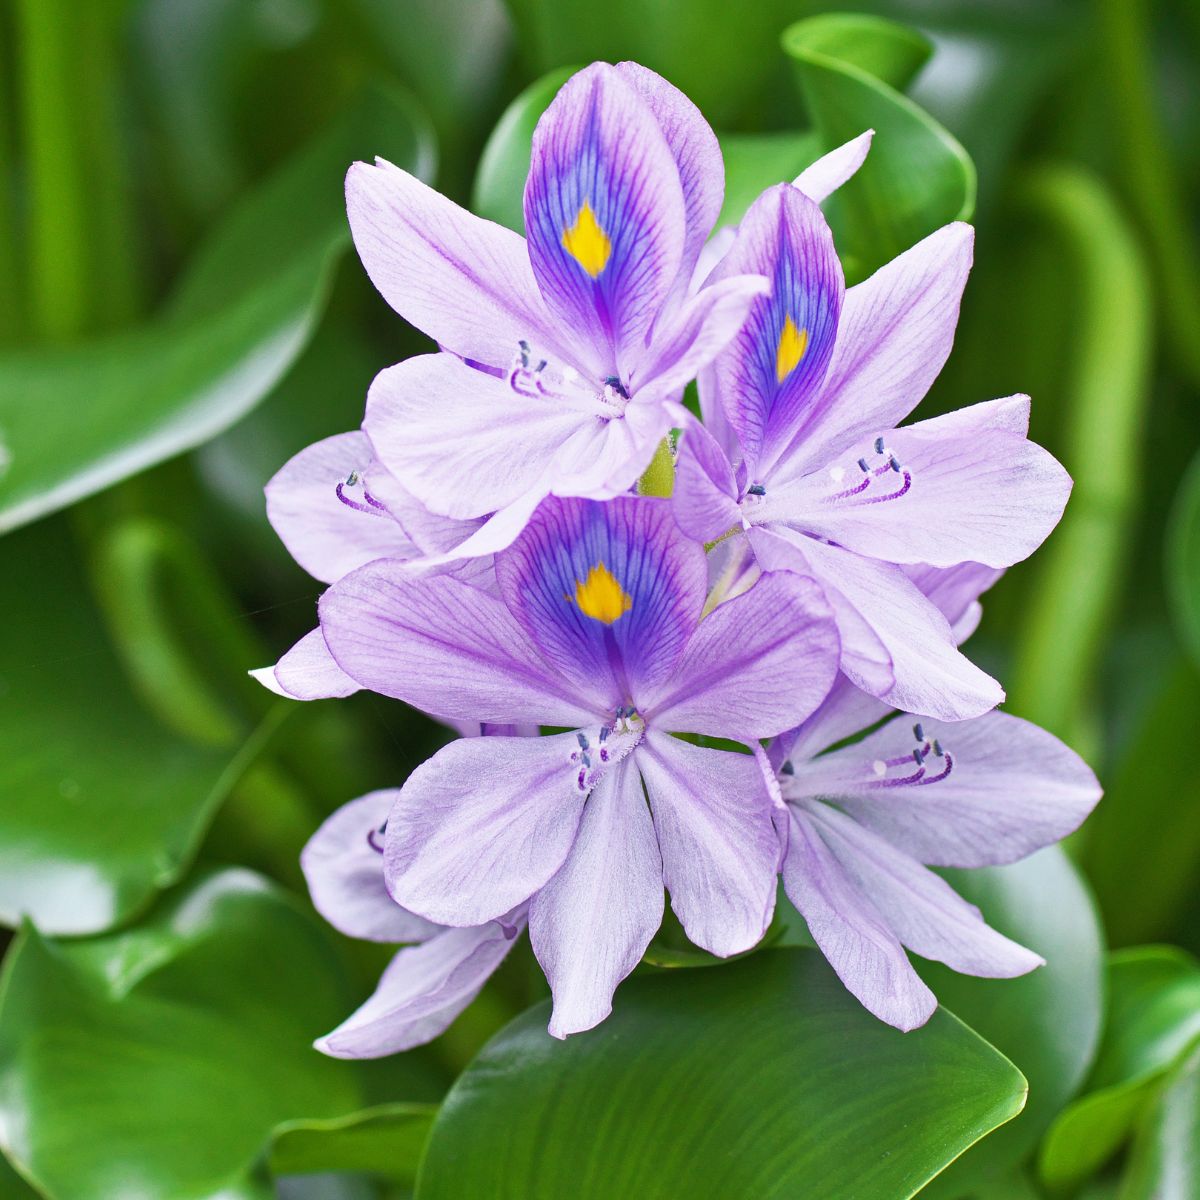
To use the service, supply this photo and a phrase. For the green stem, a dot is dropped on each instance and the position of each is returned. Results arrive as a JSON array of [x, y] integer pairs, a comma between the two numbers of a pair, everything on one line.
[[58, 230], [659, 477], [1072, 604], [1150, 184], [11, 298]]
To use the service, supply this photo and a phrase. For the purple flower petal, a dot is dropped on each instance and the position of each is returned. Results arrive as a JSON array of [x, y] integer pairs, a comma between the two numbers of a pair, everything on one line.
[[464, 281], [847, 710], [924, 912], [1004, 789], [327, 535], [609, 593], [757, 665], [307, 672], [894, 336], [830, 171], [877, 606], [697, 156], [604, 211], [771, 373], [445, 647], [720, 852], [705, 495], [482, 825], [423, 989], [956, 591], [850, 931], [591, 924], [697, 333], [464, 442], [949, 490], [343, 866]]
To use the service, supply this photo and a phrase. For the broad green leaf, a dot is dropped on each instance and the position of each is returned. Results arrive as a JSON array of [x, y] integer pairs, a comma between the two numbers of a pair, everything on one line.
[[761, 1078], [1153, 1020], [500, 181], [75, 419], [1165, 1159], [386, 1140], [1183, 560], [103, 805], [157, 1061], [917, 177], [1047, 1022]]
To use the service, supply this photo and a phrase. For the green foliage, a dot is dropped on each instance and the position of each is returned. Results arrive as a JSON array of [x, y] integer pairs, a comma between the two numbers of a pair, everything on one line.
[[160, 1060], [77, 419], [761, 1078]]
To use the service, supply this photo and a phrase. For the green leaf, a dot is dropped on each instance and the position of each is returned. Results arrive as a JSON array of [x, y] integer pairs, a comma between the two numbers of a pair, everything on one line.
[[1153, 1020], [500, 181], [1183, 560], [917, 177], [1165, 1159], [386, 1140], [761, 1078], [102, 804], [240, 316], [157, 1061], [1047, 1022]]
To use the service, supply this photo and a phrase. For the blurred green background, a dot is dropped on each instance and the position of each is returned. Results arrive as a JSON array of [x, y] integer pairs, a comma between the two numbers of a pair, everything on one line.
[[181, 310]]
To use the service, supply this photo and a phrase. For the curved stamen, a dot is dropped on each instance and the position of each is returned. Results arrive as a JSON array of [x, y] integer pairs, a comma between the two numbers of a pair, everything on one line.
[[372, 507], [373, 837]]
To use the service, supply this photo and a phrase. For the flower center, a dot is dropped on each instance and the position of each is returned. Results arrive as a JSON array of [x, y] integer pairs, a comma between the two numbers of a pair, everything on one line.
[[875, 484], [918, 770], [537, 379], [368, 503], [602, 748]]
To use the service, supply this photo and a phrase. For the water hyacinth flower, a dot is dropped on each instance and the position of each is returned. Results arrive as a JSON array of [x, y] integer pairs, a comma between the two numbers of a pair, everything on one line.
[[563, 355], [867, 820], [801, 449], [428, 983], [597, 629]]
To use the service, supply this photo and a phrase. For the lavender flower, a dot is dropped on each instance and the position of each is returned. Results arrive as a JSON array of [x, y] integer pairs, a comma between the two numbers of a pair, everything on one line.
[[597, 629], [805, 402], [567, 353]]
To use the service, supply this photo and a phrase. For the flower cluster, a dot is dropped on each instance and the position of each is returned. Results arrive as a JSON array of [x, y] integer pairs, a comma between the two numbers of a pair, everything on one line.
[[493, 562]]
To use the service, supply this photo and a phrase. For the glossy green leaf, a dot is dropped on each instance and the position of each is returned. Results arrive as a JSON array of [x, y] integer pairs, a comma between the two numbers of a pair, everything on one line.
[[386, 1140], [103, 805], [917, 177], [762, 1078], [1153, 1019], [1047, 1022], [1183, 560], [158, 1061], [500, 181], [1165, 1159], [240, 316]]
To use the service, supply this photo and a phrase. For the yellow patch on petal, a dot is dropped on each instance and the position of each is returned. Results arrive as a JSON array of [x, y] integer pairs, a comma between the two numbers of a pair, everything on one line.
[[600, 596], [587, 243], [792, 344]]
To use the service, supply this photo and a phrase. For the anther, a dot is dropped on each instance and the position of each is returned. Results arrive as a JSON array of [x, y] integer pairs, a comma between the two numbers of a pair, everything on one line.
[[582, 739], [756, 489], [862, 465], [879, 445], [894, 464], [919, 732], [937, 748]]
